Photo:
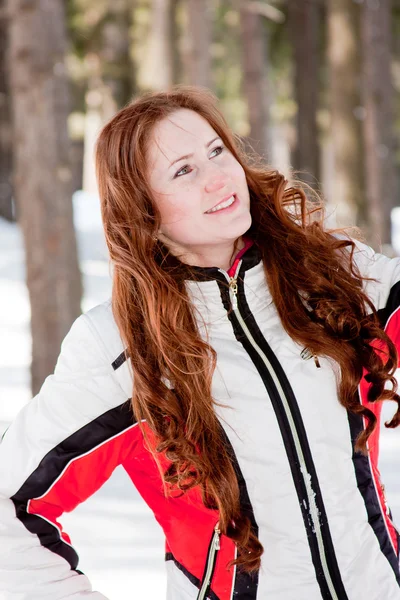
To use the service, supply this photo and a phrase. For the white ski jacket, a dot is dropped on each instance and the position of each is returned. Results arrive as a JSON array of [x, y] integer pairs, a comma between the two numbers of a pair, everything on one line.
[[317, 507]]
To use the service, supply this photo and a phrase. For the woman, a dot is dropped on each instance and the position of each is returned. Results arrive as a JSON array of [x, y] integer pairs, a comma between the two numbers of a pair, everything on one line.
[[236, 375]]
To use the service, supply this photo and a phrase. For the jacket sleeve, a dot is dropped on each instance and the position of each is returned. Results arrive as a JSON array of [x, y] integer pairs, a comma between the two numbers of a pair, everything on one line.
[[384, 292], [59, 450]]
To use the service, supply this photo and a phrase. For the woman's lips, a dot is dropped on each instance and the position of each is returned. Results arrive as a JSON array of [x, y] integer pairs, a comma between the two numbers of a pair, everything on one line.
[[229, 208]]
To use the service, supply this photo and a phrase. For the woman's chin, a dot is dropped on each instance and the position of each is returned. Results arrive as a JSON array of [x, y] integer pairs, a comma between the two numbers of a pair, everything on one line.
[[241, 227]]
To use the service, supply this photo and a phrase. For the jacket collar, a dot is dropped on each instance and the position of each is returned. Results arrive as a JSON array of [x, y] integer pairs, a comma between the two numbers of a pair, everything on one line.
[[205, 291], [250, 256]]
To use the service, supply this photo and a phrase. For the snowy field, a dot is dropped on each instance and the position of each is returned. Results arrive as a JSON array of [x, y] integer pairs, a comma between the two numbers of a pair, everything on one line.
[[120, 544]]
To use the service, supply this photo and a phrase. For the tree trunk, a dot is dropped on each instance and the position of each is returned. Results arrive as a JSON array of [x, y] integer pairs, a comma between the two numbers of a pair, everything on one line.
[[39, 89], [156, 72], [117, 67], [378, 122], [344, 61], [111, 78], [304, 27], [255, 86], [198, 42], [176, 64], [6, 192]]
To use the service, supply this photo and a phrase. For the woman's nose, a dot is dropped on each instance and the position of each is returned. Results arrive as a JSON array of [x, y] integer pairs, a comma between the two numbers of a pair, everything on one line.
[[215, 182]]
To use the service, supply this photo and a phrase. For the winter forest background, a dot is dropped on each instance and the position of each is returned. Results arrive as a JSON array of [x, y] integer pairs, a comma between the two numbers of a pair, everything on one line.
[[313, 85]]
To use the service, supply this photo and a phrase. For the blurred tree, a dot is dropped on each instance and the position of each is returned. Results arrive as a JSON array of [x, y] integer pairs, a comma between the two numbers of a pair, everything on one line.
[[114, 52], [101, 39], [378, 123], [101, 67], [42, 181], [6, 192], [197, 57], [177, 67], [227, 69], [344, 65], [255, 70], [304, 26], [156, 71], [281, 84]]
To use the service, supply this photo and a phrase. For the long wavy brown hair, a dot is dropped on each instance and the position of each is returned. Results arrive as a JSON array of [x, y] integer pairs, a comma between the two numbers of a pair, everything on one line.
[[315, 284]]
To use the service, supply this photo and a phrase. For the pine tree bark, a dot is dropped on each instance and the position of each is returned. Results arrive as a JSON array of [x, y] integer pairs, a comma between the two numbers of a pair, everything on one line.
[[378, 122], [177, 67], [255, 68], [117, 67], [6, 192], [42, 181], [198, 42], [344, 63], [303, 24], [156, 72]]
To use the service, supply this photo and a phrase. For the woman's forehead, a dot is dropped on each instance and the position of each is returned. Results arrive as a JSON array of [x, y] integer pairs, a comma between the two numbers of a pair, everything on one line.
[[179, 133]]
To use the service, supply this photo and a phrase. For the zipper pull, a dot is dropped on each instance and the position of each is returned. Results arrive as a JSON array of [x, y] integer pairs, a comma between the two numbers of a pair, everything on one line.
[[217, 544], [233, 291], [306, 354]]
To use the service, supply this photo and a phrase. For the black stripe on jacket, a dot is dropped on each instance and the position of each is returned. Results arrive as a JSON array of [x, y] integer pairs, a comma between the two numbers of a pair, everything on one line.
[[246, 584], [393, 303], [288, 438], [52, 465], [362, 466], [192, 578], [366, 486]]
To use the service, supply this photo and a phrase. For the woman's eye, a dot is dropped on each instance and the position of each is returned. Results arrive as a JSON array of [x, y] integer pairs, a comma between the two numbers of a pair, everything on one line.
[[219, 148], [181, 171]]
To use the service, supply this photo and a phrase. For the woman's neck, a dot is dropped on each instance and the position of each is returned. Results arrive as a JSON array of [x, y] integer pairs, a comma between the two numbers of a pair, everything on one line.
[[221, 256]]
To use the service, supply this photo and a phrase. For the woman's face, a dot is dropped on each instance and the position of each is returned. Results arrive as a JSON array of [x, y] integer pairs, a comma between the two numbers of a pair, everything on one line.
[[191, 173]]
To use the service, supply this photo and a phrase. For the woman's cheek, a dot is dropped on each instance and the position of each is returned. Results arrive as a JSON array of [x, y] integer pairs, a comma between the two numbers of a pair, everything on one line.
[[182, 205], [239, 169]]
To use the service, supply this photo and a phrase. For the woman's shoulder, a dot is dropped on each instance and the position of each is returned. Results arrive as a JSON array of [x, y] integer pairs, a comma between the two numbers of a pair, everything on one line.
[[381, 274], [94, 339], [100, 320]]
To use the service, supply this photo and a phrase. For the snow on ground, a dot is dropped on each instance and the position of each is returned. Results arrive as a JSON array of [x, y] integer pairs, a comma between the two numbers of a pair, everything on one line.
[[121, 546]]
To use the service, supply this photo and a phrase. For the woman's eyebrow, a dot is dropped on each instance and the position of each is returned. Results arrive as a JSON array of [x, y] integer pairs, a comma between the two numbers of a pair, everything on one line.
[[190, 155]]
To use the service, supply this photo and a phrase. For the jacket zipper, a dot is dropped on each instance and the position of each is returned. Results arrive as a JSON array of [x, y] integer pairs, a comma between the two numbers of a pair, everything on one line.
[[211, 560], [314, 514]]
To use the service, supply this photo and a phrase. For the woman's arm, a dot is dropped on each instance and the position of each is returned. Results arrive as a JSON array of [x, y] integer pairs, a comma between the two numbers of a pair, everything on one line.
[[60, 449]]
